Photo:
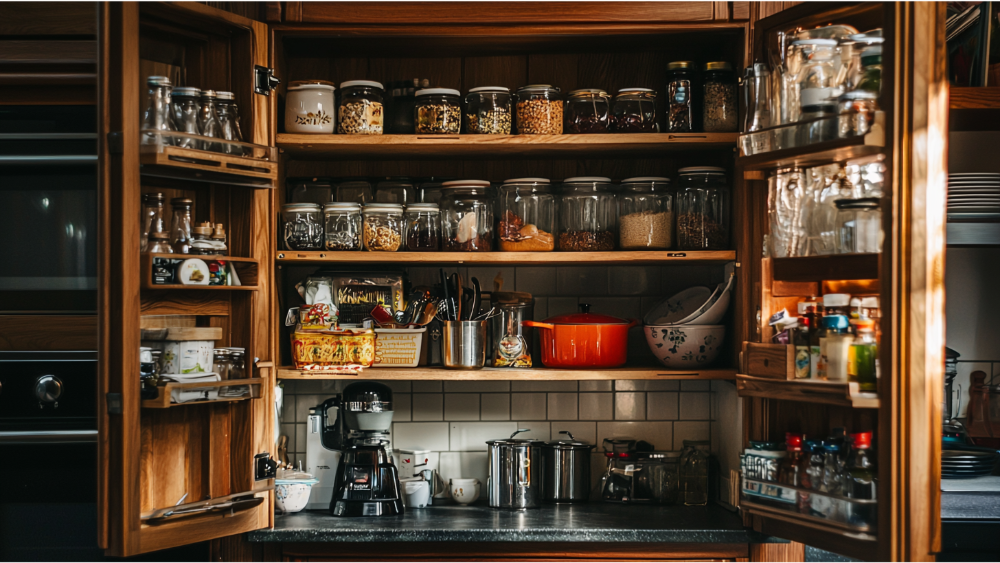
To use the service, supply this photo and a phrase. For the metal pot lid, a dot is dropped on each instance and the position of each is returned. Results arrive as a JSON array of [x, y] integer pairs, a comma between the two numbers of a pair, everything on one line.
[[585, 317], [571, 444], [530, 442]]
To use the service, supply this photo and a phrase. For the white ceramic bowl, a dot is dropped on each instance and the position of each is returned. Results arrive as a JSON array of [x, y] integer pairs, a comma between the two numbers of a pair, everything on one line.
[[685, 346], [679, 308], [464, 491], [292, 497]]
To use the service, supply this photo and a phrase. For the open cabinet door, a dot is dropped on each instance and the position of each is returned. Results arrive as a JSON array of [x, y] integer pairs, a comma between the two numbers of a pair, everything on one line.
[[155, 453]]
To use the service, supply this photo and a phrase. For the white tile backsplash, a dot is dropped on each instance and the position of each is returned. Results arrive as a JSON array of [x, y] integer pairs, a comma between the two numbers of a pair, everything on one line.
[[695, 406], [597, 406], [630, 406], [472, 436], [662, 405], [562, 406], [494, 406], [527, 406], [461, 406], [537, 430], [421, 436], [427, 406]]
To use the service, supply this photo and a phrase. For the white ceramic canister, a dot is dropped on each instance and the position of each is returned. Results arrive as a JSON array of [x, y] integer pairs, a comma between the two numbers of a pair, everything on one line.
[[310, 107]]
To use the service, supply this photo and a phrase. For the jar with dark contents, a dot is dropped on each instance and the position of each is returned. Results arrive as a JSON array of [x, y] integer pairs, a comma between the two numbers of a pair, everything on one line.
[[680, 91], [422, 222], [588, 215], [361, 111], [702, 204], [587, 111], [634, 111], [721, 108], [437, 111], [467, 216], [343, 226], [487, 111]]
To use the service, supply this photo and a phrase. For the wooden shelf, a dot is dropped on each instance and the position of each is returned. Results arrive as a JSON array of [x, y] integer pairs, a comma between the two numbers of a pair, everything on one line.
[[974, 98], [204, 166], [831, 267], [500, 374], [246, 269], [614, 257], [806, 391], [837, 150], [397, 147], [162, 401]]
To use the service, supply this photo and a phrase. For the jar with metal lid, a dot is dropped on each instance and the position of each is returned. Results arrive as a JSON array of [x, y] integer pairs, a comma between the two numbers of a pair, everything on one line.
[[693, 472], [515, 472], [229, 122], [587, 111], [487, 111], [302, 226], [202, 240], [221, 362], [646, 214], [634, 111], [859, 226], [539, 110], [423, 227], [396, 189], [181, 223], [567, 470], [383, 226], [721, 108], [310, 107], [656, 479], [856, 113], [437, 110], [184, 105], [587, 214], [208, 120], [467, 216], [157, 116], [703, 209], [527, 209], [680, 91], [343, 226], [361, 111], [355, 190]]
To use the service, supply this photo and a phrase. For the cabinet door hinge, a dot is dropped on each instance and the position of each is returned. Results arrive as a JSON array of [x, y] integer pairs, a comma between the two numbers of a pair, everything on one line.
[[114, 401], [264, 467], [264, 80], [116, 145]]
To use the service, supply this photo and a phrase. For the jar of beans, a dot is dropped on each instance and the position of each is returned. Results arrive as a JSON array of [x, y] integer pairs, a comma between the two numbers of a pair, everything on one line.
[[587, 111], [467, 216], [587, 214], [646, 214], [634, 111], [539, 110], [437, 111], [680, 90], [703, 209], [302, 226], [423, 227], [383, 227], [527, 209], [487, 111], [361, 109], [719, 94], [343, 226]]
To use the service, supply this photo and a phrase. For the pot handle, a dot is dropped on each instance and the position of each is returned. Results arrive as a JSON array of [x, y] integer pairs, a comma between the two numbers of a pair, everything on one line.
[[537, 324], [633, 322]]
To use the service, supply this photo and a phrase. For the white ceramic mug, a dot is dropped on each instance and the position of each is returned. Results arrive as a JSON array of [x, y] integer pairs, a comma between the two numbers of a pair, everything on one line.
[[464, 491], [416, 494]]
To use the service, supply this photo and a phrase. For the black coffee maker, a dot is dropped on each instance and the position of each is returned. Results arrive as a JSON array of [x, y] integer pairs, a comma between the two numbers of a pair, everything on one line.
[[367, 481]]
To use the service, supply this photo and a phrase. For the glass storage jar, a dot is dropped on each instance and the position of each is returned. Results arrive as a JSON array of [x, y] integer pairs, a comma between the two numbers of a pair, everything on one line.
[[859, 224], [229, 122], [221, 362], [721, 108], [302, 226], [645, 214], [383, 226], [539, 110], [587, 214], [423, 227], [703, 209], [487, 111], [430, 189], [397, 189], [354, 190], [157, 116], [361, 111], [856, 113], [680, 92], [152, 218], [871, 73], [437, 110], [587, 111], [310, 107], [467, 216], [693, 473], [656, 479], [634, 111], [208, 120], [527, 209], [181, 223], [184, 105], [343, 226]]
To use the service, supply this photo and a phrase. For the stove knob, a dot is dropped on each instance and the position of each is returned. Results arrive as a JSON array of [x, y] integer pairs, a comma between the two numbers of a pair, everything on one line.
[[48, 388]]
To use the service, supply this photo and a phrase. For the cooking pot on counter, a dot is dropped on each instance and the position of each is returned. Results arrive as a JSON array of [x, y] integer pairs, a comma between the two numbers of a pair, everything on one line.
[[567, 470], [583, 340], [515, 472]]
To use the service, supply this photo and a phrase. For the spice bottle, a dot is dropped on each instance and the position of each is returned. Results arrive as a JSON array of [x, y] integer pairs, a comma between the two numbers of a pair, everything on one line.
[[180, 225], [789, 470], [862, 362], [587, 111], [634, 111], [487, 111], [527, 209], [539, 110], [800, 339], [157, 115], [860, 477], [680, 88], [437, 110], [423, 227], [361, 111], [719, 102], [646, 214]]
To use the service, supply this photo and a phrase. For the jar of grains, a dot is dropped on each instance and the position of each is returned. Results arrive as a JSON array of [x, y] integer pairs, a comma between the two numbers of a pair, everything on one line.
[[587, 111], [423, 227], [343, 226], [646, 214], [383, 226], [539, 110], [634, 111], [361, 109], [527, 209], [680, 90], [721, 108], [437, 110], [703, 209], [467, 216], [587, 214], [487, 111]]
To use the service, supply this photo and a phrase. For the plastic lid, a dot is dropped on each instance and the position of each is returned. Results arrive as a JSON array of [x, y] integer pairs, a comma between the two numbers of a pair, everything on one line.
[[526, 181], [311, 85], [342, 206], [369, 83], [587, 180], [718, 65], [428, 207], [489, 89], [585, 317], [512, 441], [838, 322], [300, 207], [836, 299], [869, 302], [584, 92], [384, 207], [466, 184], [187, 91], [690, 170], [437, 91], [793, 442], [682, 65], [862, 440]]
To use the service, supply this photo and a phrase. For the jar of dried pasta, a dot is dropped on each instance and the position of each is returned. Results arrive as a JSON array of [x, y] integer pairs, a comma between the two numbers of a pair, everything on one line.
[[539, 110], [383, 227], [361, 109]]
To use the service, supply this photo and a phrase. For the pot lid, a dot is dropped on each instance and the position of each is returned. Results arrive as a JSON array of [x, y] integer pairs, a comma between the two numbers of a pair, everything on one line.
[[531, 442], [585, 317], [571, 444]]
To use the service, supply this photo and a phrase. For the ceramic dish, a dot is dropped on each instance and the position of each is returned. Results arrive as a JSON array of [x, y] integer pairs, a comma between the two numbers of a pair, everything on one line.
[[679, 308], [688, 346], [292, 495]]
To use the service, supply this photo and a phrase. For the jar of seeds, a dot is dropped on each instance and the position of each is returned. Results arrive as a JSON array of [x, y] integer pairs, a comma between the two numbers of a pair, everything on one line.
[[587, 215], [587, 111], [634, 111], [703, 209], [646, 214], [680, 90], [437, 111], [361, 109], [383, 227], [487, 111], [539, 110], [343, 226], [719, 94]]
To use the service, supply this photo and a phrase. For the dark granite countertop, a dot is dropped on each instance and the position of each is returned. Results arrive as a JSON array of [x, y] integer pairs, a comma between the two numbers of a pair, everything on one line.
[[591, 522], [971, 499]]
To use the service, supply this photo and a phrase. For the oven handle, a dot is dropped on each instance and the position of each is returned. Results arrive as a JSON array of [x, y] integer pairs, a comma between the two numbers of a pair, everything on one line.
[[47, 159], [48, 437]]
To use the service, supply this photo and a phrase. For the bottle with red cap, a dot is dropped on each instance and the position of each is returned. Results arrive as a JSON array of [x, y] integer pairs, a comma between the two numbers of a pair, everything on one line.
[[860, 478], [789, 471]]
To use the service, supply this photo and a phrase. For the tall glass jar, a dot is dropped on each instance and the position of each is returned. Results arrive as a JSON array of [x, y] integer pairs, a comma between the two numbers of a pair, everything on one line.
[[229, 122], [527, 209], [859, 226], [396, 189], [185, 104], [694, 473], [587, 111], [721, 107], [423, 227], [680, 92], [355, 190], [467, 216], [361, 111], [539, 110], [646, 214], [634, 111], [343, 226], [152, 218], [221, 362], [703, 209], [208, 120], [437, 110], [587, 214], [383, 227], [302, 226], [487, 111], [180, 225], [157, 115]]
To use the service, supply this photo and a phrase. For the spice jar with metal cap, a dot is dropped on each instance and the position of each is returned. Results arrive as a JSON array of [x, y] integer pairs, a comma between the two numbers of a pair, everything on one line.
[[680, 96], [157, 115], [721, 108], [437, 111], [634, 111], [516, 472], [202, 244], [587, 111], [539, 110], [567, 470], [184, 105], [487, 111]]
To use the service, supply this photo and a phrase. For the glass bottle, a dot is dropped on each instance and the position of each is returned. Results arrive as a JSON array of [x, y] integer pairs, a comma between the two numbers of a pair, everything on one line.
[[423, 227], [694, 473], [180, 225], [758, 99], [680, 89], [467, 216], [588, 215], [343, 226], [157, 115], [645, 214], [527, 221], [703, 209], [221, 362], [488, 111], [789, 470], [228, 126], [832, 480], [587, 111], [860, 479], [811, 473], [800, 339], [208, 120], [720, 108], [862, 365], [834, 346], [634, 111], [185, 105], [152, 218]]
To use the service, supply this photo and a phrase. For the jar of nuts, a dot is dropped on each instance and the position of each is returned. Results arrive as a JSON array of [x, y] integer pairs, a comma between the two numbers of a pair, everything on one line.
[[487, 111], [467, 216], [343, 226], [587, 214], [634, 111], [587, 111], [646, 214], [721, 107], [703, 209], [383, 227], [539, 110], [437, 110], [361, 109]]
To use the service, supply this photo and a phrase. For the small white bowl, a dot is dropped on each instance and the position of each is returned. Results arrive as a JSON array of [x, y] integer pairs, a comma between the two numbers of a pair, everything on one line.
[[685, 346], [292, 497], [464, 491]]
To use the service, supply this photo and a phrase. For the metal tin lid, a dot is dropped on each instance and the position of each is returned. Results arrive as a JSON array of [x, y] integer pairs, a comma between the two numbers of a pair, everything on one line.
[[538, 88], [571, 444], [646, 92], [437, 91], [718, 65], [530, 442], [587, 92], [369, 83], [209, 94], [526, 181], [645, 180], [587, 180], [425, 207], [490, 90], [342, 206], [181, 201], [466, 184], [225, 95], [187, 91], [691, 170], [157, 81], [300, 207], [383, 207], [685, 65]]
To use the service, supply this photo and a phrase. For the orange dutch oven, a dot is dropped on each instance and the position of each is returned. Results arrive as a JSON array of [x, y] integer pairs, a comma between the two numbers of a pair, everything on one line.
[[583, 340]]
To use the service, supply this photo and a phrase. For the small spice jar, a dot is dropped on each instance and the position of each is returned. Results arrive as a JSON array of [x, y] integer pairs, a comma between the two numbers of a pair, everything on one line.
[[634, 111], [703, 209], [310, 108], [487, 111], [587, 111], [856, 113], [437, 110], [680, 91], [646, 214], [467, 216], [302, 226], [361, 110], [721, 109], [527, 209], [422, 223], [539, 110], [396, 189], [383, 227], [343, 226], [587, 214]]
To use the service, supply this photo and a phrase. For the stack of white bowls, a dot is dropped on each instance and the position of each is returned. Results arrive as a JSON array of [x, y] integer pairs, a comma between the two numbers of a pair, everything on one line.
[[683, 331]]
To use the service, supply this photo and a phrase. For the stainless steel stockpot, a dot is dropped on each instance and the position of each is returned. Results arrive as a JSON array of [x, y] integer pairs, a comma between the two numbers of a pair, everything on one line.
[[567, 470], [516, 472]]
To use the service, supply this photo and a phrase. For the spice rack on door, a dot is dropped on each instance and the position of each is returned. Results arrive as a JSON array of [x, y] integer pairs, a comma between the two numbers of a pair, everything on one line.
[[246, 269], [630, 257]]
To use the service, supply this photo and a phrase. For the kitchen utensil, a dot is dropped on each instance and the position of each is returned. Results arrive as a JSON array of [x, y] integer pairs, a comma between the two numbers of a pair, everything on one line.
[[477, 297], [516, 472], [464, 491], [458, 292], [685, 346], [584, 340], [449, 311], [567, 470], [464, 344]]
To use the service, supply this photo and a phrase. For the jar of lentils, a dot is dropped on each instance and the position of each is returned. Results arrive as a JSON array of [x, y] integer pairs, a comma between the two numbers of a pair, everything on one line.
[[361, 109], [719, 94], [680, 90], [487, 111], [587, 111], [422, 222], [302, 226], [527, 209], [437, 111], [634, 111], [343, 226], [383, 227], [467, 216], [587, 214], [703, 209], [646, 214], [539, 110]]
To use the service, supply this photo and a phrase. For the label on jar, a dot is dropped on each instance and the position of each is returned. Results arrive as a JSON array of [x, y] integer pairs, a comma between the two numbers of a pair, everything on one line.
[[373, 114], [802, 362]]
